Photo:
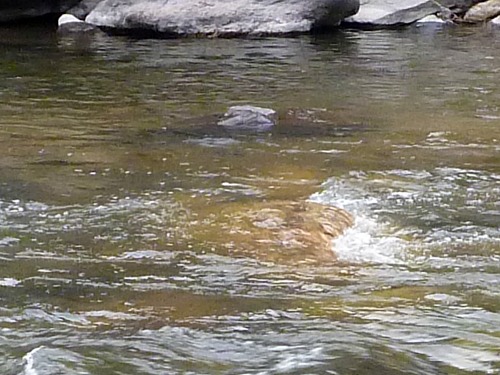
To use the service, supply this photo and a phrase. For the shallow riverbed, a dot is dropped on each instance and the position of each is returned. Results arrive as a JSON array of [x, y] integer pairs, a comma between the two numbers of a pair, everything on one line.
[[110, 163]]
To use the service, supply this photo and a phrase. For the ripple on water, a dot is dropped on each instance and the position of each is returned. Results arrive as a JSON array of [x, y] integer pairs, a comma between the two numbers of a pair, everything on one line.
[[440, 210], [214, 142], [115, 288], [144, 255], [70, 231], [9, 281]]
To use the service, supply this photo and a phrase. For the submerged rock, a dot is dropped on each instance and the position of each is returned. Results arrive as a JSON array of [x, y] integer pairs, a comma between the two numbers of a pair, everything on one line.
[[248, 117], [14, 10], [282, 231], [220, 17]]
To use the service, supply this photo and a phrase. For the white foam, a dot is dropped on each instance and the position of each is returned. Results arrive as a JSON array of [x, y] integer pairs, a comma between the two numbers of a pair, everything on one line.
[[370, 239], [8, 281], [29, 362], [400, 210], [7, 241]]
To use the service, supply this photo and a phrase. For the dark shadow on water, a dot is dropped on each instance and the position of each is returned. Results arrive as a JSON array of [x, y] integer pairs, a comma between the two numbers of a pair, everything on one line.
[[285, 128]]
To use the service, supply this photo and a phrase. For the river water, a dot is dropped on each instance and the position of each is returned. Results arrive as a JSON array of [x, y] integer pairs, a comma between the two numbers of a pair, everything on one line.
[[111, 163]]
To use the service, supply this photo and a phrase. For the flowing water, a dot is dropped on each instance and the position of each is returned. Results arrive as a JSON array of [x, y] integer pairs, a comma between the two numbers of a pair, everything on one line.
[[114, 183]]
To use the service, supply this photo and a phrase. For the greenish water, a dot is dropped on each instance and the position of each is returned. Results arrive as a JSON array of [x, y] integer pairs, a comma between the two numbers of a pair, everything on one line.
[[115, 184]]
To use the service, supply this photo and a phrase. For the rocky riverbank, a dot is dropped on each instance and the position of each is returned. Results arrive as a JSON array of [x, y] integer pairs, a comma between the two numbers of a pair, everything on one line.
[[251, 17]]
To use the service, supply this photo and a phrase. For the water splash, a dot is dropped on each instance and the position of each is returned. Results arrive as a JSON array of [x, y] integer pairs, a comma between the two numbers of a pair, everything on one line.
[[29, 361], [370, 239], [395, 210]]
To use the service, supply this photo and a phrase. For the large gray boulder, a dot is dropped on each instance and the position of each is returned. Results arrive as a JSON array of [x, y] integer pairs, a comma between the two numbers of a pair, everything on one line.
[[380, 13], [221, 17], [13, 10]]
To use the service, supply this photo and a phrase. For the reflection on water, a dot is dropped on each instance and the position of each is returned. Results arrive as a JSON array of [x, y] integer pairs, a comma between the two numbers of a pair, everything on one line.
[[111, 162]]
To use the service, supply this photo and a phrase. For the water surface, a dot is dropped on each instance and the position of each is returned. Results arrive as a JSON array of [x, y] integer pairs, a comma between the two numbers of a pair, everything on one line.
[[111, 162]]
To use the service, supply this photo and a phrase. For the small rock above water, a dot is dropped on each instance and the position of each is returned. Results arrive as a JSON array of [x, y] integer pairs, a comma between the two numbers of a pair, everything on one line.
[[248, 117], [69, 24], [483, 12], [66, 19], [383, 13], [386, 13], [220, 17]]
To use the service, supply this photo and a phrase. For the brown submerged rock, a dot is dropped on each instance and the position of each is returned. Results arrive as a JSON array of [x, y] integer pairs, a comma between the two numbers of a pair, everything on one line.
[[282, 231]]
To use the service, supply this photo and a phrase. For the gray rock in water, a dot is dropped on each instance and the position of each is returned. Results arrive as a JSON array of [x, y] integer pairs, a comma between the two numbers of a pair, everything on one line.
[[246, 117], [379, 13], [12, 10], [221, 17], [483, 12], [69, 24]]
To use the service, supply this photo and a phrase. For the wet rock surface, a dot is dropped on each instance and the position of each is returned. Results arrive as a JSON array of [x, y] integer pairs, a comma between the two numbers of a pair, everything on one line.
[[219, 17], [383, 13], [69, 24], [483, 12], [248, 117], [282, 231], [212, 18]]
